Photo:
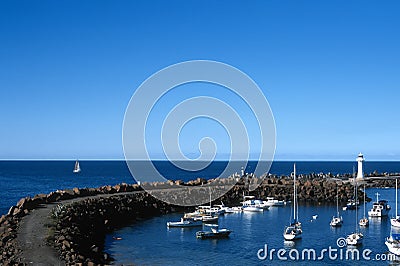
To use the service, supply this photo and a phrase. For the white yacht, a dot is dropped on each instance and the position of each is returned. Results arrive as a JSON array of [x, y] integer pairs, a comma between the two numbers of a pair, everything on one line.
[[293, 231], [364, 221], [249, 204], [380, 208], [393, 244], [224, 209], [77, 167], [185, 222], [395, 221], [274, 202], [356, 238], [337, 220]]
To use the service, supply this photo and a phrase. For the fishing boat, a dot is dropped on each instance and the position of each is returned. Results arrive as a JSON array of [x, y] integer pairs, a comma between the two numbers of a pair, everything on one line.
[[293, 231], [185, 222], [395, 221], [337, 220], [380, 208], [214, 233], [393, 244], [356, 238], [364, 221], [77, 167]]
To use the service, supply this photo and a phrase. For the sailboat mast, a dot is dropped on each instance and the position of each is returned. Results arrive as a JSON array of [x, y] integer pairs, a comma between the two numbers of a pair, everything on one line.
[[355, 200], [396, 198], [294, 194], [364, 202], [210, 197], [337, 202]]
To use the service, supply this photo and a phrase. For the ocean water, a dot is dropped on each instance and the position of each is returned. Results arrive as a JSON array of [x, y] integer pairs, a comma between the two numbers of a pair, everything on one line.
[[27, 178], [150, 242]]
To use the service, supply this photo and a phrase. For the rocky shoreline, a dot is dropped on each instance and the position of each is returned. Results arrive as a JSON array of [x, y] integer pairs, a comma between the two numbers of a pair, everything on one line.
[[80, 218]]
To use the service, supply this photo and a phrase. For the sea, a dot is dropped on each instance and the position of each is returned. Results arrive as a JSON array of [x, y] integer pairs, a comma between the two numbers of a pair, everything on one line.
[[256, 238]]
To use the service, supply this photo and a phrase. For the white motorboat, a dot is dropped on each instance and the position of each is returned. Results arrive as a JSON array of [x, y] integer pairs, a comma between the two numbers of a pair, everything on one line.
[[214, 233], [77, 167], [380, 208], [393, 244], [364, 221], [395, 221], [356, 238], [225, 209], [237, 209], [249, 204], [294, 230], [206, 218], [210, 210], [185, 222], [337, 220], [274, 202]]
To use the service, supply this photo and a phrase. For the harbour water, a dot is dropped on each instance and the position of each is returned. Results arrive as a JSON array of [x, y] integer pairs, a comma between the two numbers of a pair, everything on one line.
[[150, 242]]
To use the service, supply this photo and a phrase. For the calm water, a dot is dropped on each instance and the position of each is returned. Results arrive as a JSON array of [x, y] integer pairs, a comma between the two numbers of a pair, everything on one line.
[[150, 242], [28, 178]]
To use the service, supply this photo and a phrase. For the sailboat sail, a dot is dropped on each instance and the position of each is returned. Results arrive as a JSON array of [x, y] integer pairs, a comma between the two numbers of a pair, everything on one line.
[[77, 167]]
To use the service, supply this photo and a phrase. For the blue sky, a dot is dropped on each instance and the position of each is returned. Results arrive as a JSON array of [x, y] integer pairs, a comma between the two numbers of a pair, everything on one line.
[[329, 69]]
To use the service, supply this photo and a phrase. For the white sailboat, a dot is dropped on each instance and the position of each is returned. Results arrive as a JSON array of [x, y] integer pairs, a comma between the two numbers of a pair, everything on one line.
[[293, 231], [77, 168], [355, 239], [395, 221], [364, 221], [338, 220], [393, 244]]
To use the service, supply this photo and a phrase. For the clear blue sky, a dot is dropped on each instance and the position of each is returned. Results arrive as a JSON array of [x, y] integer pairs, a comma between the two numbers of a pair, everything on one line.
[[330, 70]]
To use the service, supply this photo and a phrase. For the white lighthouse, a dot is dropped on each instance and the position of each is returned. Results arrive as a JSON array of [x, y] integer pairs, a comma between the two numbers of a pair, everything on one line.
[[360, 160]]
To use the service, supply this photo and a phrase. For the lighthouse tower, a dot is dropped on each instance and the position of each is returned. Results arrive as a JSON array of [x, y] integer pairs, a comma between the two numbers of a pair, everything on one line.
[[360, 172]]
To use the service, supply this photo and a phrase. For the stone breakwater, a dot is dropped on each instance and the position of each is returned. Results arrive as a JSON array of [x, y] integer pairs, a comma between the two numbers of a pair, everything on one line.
[[80, 218]]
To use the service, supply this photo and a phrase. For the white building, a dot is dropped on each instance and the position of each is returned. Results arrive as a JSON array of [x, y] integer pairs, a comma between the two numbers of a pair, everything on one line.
[[360, 161]]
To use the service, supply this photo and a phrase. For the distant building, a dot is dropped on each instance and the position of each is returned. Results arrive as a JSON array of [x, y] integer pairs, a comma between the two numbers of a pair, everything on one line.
[[360, 171]]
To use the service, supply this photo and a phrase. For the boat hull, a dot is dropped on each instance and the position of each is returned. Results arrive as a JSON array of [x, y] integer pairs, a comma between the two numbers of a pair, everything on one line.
[[395, 222], [354, 239], [253, 209], [291, 237], [212, 235], [180, 224]]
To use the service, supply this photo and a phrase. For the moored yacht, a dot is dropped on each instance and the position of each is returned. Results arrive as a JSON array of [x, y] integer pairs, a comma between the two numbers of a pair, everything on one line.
[[337, 220], [294, 230], [249, 204], [395, 221], [185, 222], [356, 238], [393, 244], [214, 233], [380, 208], [364, 221], [274, 202]]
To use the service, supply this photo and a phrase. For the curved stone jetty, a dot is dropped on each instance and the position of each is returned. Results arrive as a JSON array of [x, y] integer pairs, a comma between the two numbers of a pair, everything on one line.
[[68, 227]]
